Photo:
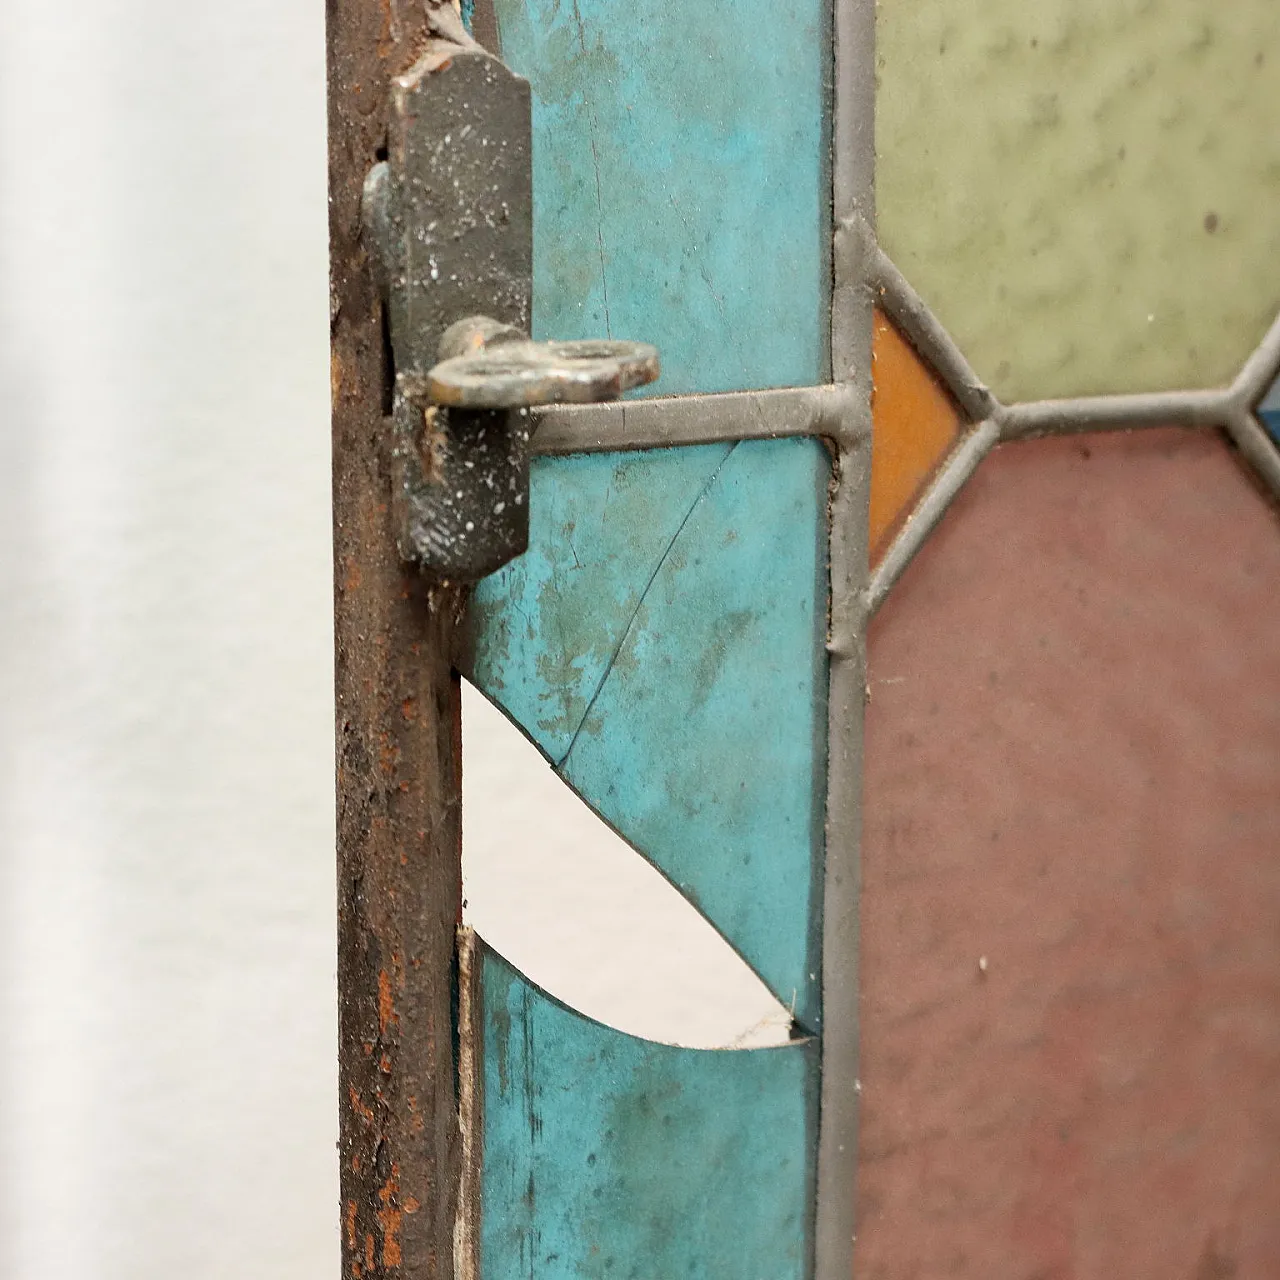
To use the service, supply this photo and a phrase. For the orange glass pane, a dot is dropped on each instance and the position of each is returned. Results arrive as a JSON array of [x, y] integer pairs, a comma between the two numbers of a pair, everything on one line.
[[914, 422]]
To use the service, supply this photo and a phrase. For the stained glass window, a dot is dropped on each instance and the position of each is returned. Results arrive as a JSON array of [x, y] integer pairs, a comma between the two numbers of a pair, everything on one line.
[[968, 316]]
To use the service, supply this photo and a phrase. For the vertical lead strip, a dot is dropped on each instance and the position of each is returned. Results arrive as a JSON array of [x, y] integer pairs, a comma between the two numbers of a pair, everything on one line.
[[853, 111], [853, 194]]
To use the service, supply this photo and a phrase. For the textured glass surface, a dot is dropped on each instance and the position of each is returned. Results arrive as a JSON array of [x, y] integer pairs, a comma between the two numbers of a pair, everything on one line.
[[547, 626], [612, 1158], [1085, 191], [914, 421], [680, 181], [1071, 891]]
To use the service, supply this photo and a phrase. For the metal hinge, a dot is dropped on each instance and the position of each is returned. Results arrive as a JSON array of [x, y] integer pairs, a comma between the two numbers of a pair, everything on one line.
[[448, 219]]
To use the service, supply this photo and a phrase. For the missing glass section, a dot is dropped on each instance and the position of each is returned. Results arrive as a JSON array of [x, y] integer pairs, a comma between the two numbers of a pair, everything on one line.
[[555, 890]]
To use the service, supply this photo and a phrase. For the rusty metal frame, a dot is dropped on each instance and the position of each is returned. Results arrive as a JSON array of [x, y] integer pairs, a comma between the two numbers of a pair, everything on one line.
[[396, 713]]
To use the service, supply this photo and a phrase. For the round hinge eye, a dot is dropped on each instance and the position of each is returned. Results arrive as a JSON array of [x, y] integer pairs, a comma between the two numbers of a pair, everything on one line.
[[513, 375]]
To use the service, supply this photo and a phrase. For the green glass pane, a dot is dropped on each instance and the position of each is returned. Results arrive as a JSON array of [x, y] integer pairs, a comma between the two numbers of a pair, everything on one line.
[[1085, 191]]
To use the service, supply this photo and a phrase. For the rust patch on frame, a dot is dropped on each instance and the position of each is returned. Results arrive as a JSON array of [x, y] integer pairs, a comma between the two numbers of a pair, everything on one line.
[[399, 889]]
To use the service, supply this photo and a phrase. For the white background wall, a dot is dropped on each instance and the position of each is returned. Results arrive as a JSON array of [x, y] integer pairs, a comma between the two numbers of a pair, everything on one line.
[[166, 815]]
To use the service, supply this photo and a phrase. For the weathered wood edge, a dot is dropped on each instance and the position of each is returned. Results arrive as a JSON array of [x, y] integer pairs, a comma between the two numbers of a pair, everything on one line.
[[399, 888]]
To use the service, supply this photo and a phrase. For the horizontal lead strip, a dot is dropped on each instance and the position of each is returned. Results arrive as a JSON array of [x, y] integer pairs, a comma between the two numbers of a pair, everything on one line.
[[833, 410], [1114, 413]]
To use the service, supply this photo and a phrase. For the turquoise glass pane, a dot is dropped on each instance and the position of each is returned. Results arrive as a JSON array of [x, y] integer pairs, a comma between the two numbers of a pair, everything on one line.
[[663, 641], [705, 743], [548, 624], [612, 1158], [680, 181]]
